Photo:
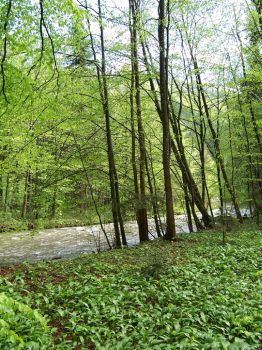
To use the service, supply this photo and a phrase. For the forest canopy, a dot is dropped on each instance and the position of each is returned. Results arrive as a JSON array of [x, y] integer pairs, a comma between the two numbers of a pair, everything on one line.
[[112, 111]]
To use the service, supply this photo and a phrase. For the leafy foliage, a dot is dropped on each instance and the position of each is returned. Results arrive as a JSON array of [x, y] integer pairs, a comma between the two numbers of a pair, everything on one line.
[[21, 327], [209, 298], [52, 137]]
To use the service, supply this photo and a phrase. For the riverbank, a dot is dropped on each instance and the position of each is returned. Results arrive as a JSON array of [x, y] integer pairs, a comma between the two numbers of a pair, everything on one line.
[[196, 293]]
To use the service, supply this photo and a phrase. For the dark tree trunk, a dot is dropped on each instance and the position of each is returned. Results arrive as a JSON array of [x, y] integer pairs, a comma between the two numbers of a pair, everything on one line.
[[163, 78], [102, 80], [188, 210], [141, 211]]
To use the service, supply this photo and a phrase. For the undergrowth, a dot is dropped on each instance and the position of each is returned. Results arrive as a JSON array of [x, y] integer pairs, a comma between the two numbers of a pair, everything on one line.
[[193, 294]]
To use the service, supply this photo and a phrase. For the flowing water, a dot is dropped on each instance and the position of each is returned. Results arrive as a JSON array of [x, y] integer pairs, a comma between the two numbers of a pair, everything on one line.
[[66, 242]]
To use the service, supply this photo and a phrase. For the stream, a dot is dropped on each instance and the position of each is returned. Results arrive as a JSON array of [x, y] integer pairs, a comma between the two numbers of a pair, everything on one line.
[[57, 243]]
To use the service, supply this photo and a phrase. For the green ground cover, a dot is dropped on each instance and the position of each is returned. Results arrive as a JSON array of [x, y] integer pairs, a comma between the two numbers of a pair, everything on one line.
[[196, 293]]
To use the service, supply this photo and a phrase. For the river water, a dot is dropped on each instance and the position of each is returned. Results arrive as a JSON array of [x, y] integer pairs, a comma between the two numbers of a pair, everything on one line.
[[58, 243], [66, 242]]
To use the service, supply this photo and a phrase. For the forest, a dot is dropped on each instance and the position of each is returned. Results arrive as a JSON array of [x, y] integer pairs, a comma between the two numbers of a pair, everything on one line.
[[127, 122]]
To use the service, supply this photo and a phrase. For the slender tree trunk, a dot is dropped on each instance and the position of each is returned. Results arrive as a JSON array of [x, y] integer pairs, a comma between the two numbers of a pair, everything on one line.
[[141, 203], [7, 187], [133, 142], [35, 203], [153, 200], [220, 190], [91, 190], [119, 212], [102, 80], [54, 201], [163, 77], [187, 204], [198, 223], [116, 208], [1, 191], [158, 216], [14, 201], [26, 194]]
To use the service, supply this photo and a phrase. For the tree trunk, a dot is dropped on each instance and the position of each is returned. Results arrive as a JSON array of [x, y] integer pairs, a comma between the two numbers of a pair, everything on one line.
[[141, 200], [187, 204], [102, 81], [153, 201], [163, 77], [26, 194], [7, 187]]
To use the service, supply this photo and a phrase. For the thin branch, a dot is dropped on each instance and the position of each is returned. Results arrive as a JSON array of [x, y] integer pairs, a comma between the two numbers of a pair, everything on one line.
[[3, 89]]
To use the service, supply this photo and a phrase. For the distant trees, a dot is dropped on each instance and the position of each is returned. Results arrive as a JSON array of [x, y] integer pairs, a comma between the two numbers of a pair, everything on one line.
[[130, 113], [249, 103]]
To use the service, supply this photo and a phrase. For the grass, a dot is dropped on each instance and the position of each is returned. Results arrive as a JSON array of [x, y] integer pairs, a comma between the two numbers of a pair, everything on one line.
[[192, 294]]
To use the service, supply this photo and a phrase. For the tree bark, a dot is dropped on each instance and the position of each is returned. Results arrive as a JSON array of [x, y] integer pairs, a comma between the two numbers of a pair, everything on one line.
[[141, 211], [163, 78]]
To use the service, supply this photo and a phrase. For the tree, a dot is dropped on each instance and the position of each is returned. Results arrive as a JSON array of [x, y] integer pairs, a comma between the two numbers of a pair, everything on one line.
[[163, 85], [140, 191]]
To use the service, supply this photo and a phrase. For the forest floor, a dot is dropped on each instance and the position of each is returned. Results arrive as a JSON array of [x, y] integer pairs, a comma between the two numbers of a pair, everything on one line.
[[196, 293]]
